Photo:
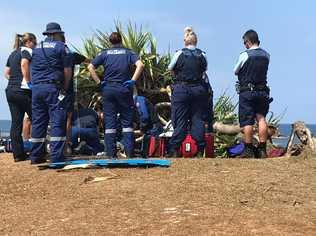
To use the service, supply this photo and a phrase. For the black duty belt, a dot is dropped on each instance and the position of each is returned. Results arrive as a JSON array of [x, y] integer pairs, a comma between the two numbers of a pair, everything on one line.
[[252, 87], [114, 82], [187, 82], [58, 83]]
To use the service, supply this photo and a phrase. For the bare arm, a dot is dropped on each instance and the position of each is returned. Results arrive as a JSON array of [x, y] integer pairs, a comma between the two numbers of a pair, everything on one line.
[[139, 70], [93, 73], [25, 67], [67, 76], [7, 72]]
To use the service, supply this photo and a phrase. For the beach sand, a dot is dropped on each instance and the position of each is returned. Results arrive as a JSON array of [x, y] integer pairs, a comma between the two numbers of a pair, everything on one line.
[[192, 197]]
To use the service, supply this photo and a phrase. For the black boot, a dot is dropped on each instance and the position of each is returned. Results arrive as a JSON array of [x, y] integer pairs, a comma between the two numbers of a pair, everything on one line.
[[39, 161], [261, 151], [172, 153], [22, 157], [79, 149], [249, 151]]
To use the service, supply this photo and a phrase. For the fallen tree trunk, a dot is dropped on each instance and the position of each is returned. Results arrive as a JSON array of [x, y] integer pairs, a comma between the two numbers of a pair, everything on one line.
[[217, 126], [226, 129]]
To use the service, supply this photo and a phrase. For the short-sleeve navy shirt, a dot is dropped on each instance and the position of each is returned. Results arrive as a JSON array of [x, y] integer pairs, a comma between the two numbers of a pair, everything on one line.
[[14, 63], [49, 59], [116, 62]]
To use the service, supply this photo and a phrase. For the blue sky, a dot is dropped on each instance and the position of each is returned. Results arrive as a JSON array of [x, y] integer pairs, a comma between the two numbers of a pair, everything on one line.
[[286, 29]]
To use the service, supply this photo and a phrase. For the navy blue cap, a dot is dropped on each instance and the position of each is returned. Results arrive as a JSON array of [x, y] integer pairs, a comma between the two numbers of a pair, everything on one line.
[[52, 28]]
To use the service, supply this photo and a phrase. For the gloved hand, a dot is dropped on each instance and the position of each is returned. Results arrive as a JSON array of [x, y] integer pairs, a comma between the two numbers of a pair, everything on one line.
[[25, 84], [103, 84], [129, 83], [30, 85]]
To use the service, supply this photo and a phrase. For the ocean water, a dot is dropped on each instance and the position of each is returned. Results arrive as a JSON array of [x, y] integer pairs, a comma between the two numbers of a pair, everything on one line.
[[285, 130], [5, 128]]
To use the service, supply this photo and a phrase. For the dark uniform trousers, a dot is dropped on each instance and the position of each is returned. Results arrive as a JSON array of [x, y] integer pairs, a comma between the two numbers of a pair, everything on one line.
[[188, 103], [19, 104], [118, 100], [45, 105]]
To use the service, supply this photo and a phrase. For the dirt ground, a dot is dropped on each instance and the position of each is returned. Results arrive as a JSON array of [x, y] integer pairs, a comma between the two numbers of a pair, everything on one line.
[[192, 197]]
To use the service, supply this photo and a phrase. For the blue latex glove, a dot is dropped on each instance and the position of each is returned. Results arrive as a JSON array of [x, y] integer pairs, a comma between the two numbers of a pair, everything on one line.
[[129, 83], [30, 85], [103, 84]]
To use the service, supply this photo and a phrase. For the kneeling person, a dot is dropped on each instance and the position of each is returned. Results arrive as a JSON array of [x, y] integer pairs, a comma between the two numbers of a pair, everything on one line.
[[85, 129]]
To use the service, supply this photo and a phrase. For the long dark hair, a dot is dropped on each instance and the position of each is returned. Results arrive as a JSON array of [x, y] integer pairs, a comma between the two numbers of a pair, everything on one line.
[[21, 39]]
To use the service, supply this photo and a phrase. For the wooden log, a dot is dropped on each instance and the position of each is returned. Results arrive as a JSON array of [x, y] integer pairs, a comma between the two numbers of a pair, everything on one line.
[[226, 128], [304, 135]]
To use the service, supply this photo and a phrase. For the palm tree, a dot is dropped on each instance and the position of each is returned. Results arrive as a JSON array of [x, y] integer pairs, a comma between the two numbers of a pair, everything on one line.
[[154, 80], [155, 75]]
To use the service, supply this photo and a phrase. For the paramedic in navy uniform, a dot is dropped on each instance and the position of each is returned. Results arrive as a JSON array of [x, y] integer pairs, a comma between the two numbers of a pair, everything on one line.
[[189, 98], [51, 72], [18, 92], [117, 86], [251, 69]]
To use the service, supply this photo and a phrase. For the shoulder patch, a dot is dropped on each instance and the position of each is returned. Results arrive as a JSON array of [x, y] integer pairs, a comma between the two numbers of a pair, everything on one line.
[[49, 44]]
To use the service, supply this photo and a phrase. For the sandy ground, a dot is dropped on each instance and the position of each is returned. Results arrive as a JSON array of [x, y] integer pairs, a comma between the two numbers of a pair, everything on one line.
[[192, 197]]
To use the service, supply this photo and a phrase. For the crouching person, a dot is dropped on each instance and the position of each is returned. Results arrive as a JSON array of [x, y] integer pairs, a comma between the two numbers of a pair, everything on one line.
[[251, 69], [189, 98], [84, 133]]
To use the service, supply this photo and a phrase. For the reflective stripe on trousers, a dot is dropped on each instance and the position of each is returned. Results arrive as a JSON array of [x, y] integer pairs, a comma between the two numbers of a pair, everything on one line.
[[37, 140], [57, 139], [110, 131], [127, 130]]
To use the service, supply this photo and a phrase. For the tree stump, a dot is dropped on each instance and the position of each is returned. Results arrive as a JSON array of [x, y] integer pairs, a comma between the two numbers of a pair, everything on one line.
[[304, 135]]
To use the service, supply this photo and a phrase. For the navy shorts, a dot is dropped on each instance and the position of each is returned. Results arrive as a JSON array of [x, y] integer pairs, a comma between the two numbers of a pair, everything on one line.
[[250, 104]]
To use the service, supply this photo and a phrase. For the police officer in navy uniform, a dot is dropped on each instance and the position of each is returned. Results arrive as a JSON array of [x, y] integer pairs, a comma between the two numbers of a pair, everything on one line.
[[18, 94], [251, 69], [51, 73], [189, 100], [117, 87]]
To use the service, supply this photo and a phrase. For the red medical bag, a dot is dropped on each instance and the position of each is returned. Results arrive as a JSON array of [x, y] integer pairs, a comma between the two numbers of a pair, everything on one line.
[[157, 147], [188, 147], [209, 145]]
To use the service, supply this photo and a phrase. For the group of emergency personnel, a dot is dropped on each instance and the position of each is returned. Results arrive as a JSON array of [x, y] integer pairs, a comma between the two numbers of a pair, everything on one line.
[[40, 84]]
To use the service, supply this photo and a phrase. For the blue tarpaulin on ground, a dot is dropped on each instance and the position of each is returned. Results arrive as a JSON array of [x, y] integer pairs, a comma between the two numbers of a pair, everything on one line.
[[137, 162]]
